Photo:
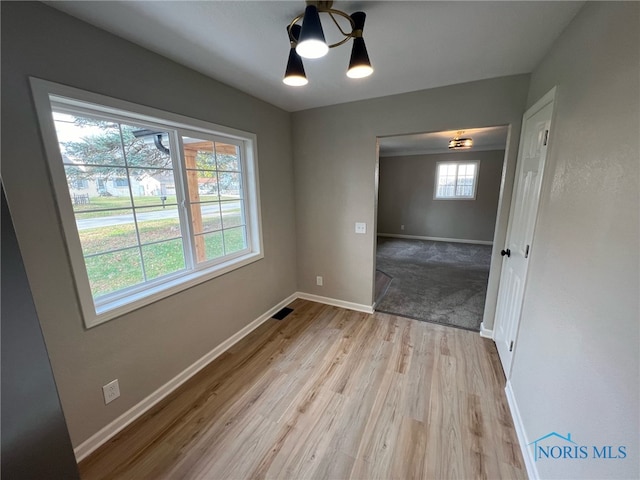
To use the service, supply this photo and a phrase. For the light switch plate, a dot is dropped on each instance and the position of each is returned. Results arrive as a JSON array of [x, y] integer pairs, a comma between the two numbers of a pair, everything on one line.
[[361, 227]]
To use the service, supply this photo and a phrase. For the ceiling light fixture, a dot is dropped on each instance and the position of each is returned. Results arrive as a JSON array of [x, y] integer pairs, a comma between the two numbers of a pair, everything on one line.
[[294, 75], [308, 41], [458, 143]]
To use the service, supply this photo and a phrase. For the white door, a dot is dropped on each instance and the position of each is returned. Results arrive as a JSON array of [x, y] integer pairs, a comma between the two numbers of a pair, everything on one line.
[[532, 154]]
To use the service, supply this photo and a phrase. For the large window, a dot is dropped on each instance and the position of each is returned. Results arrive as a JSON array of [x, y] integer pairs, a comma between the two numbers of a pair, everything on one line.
[[151, 202], [456, 180]]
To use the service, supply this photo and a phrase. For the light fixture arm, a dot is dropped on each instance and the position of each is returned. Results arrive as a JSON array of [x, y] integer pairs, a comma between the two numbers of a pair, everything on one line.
[[327, 9], [353, 25]]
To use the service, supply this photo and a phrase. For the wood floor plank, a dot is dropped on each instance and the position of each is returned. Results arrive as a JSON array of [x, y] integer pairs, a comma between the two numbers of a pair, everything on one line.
[[383, 429], [307, 447], [409, 450], [420, 374], [328, 393]]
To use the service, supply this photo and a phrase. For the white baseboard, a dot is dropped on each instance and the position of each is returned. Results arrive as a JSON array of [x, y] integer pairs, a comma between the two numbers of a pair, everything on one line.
[[109, 431], [532, 471], [485, 332], [358, 307], [437, 239]]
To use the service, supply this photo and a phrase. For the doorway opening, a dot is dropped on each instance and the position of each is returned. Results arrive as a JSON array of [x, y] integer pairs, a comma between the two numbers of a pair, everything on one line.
[[436, 220]]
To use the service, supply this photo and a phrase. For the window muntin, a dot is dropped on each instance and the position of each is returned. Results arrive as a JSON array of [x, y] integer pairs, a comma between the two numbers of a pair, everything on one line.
[[216, 200], [144, 263], [456, 180]]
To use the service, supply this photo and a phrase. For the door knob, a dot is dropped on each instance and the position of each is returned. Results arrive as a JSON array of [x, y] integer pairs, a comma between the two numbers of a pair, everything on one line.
[[506, 252]]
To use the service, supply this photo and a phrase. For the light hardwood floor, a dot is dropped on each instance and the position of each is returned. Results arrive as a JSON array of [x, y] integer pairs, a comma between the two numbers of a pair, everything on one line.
[[329, 393]]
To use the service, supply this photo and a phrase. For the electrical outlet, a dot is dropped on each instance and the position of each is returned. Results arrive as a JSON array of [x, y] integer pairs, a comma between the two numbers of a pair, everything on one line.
[[319, 280], [401, 227], [111, 391], [361, 227]]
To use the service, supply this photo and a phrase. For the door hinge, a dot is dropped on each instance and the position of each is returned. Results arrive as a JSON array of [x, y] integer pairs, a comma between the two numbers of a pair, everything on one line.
[[546, 137], [511, 346], [526, 252]]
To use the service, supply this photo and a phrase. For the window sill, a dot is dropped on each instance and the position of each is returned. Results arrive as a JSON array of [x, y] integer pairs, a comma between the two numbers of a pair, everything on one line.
[[110, 309], [454, 198]]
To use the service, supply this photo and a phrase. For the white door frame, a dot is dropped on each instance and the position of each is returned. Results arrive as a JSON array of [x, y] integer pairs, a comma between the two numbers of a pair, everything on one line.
[[548, 98]]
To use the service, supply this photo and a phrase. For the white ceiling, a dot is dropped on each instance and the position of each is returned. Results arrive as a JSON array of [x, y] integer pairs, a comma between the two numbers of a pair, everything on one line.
[[488, 138], [412, 45]]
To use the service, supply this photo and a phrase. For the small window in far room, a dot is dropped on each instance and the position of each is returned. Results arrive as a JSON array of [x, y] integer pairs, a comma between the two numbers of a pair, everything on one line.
[[456, 180]]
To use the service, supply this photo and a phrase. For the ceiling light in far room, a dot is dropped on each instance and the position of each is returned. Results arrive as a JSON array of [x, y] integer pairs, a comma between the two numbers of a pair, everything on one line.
[[294, 76], [458, 143], [309, 42]]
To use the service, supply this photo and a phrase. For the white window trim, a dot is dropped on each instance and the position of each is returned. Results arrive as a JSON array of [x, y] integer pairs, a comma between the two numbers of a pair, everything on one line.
[[118, 304], [457, 162]]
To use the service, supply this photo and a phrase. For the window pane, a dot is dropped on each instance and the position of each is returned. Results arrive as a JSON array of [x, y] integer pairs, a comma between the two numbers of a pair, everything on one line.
[[214, 246], [156, 224], [456, 180], [199, 154], [79, 184], [463, 191], [229, 185], [228, 157], [203, 185], [115, 271], [87, 141], [145, 146], [450, 169], [118, 187], [206, 217], [232, 214], [163, 258], [153, 187], [92, 188], [106, 231], [235, 240], [448, 181]]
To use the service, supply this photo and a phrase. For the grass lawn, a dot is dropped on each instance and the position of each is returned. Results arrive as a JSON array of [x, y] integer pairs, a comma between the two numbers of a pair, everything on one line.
[[109, 272]]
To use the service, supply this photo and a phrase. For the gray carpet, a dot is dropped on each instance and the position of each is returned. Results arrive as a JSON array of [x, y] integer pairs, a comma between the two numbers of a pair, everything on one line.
[[437, 282]]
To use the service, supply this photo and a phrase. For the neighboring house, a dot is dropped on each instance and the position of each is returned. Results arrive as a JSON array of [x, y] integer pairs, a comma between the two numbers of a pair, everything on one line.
[[83, 186], [108, 187], [160, 184]]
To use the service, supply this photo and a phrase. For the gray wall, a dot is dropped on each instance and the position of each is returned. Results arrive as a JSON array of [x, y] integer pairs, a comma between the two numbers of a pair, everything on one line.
[[35, 441], [336, 174], [146, 348], [576, 363], [405, 197]]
